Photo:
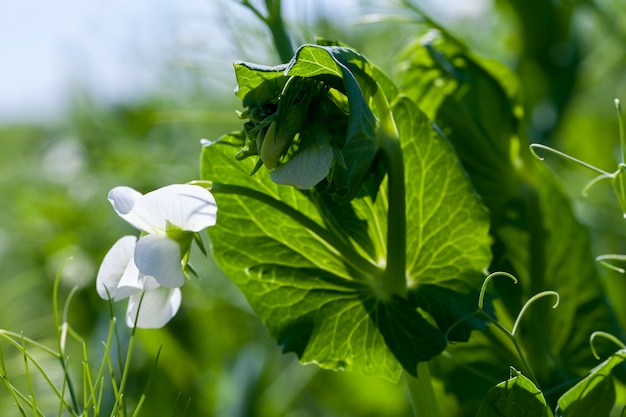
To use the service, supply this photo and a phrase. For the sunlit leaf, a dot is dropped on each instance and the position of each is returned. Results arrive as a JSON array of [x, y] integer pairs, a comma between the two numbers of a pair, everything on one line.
[[595, 394], [454, 89], [312, 61], [447, 225], [311, 301], [515, 397], [316, 300], [258, 83]]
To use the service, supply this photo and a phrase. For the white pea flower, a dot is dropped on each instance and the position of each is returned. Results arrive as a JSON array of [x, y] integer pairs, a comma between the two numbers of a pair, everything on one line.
[[153, 265], [118, 279]]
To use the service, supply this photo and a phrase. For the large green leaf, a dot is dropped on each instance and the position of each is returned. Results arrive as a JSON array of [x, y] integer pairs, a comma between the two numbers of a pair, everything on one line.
[[328, 309], [515, 397], [312, 268], [312, 302], [447, 226]]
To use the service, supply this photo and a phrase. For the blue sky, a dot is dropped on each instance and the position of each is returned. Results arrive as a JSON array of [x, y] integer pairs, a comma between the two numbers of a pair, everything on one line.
[[116, 49], [48, 47]]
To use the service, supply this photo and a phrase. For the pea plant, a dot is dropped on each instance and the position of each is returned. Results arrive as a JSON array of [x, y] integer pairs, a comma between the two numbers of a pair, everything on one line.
[[395, 228]]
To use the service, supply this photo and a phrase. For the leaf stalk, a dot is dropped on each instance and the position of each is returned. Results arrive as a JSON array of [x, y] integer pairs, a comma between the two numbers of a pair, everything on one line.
[[394, 278], [423, 399]]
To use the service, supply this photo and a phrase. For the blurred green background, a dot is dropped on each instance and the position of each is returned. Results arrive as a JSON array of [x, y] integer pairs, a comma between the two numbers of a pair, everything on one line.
[[55, 173]]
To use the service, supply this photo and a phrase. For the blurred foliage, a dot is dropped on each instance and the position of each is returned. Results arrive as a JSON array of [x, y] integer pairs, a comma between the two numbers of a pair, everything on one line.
[[215, 353], [570, 56]]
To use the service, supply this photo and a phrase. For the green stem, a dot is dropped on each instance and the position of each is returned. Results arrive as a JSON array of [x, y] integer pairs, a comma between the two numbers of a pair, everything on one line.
[[8, 335], [120, 397], [275, 23], [348, 252], [61, 334], [394, 279], [422, 394], [622, 137], [13, 338]]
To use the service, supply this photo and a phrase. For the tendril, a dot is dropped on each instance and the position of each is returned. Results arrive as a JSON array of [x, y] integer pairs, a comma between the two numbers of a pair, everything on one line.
[[617, 180], [568, 157], [607, 336], [512, 333], [529, 302], [602, 260], [483, 289], [596, 180], [481, 300], [611, 176]]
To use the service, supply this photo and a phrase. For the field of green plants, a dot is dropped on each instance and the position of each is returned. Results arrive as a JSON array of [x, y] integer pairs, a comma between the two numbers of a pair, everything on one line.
[[387, 240]]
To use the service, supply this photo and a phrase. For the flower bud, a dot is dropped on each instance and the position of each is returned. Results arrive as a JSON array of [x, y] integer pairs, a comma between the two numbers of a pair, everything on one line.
[[274, 146], [276, 143], [306, 168]]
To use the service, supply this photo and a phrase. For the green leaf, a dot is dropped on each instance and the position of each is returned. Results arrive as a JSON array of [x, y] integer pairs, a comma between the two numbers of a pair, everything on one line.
[[594, 395], [472, 108], [536, 236], [516, 397], [345, 222], [313, 273], [258, 83], [313, 61], [369, 76], [312, 302], [447, 225], [340, 324]]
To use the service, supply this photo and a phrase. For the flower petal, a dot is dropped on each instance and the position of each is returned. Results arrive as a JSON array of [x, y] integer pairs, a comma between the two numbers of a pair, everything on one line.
[[188, 207], [132, 281], [158, 306], [123, 200], [159, 257], [114, 266], [306, 168], [150, 283]]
